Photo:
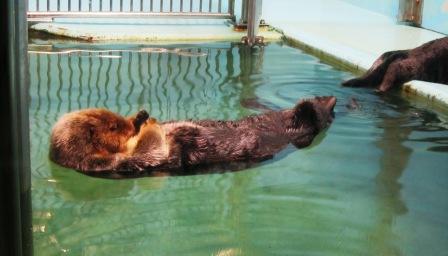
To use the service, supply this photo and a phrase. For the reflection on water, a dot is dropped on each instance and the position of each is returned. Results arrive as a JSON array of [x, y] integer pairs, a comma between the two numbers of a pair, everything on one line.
[[397, 130], [393, 162], [373, 184]]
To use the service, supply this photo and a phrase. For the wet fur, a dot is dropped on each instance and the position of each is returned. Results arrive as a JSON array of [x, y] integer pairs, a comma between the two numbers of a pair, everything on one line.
[[183, 145], [428, 62], [94, 139]]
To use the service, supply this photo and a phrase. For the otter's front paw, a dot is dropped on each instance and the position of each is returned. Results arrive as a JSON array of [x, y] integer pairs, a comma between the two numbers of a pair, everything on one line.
[[355, 82], [142, 115], [131, 166], [140, 119]]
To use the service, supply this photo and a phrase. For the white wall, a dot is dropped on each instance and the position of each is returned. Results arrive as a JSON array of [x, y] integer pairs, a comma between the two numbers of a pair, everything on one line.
[[435, 15], [385, 7]]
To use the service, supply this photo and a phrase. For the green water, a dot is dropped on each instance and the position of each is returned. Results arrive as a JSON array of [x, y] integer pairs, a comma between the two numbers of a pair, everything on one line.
[[375, 183]]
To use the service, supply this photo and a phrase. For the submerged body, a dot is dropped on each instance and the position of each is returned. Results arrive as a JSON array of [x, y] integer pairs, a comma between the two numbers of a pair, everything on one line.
[[148, 145], [428, 62]]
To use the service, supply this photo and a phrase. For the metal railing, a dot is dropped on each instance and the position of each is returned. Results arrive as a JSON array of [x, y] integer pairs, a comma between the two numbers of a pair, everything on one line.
[[49, 9]]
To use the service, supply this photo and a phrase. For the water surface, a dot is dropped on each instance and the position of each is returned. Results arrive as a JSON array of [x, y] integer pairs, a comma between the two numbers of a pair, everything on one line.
[[375, 183]]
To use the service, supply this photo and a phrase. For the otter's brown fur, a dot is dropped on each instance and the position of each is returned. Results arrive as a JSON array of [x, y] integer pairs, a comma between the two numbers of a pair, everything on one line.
[[84, 141], [93, 139], [428, 62]]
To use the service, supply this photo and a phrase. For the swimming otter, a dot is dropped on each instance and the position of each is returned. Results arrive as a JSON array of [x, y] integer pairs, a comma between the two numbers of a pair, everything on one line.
[[428, 62], [97, 140]]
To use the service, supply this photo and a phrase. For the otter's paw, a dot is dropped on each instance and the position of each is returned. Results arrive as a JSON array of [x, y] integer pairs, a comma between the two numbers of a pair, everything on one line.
[[142, 115], [133, 165], [355, 82], [140, 119]]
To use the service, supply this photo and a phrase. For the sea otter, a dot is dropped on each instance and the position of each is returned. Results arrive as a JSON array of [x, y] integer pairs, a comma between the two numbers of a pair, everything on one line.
[[98, 140], [428, 62]]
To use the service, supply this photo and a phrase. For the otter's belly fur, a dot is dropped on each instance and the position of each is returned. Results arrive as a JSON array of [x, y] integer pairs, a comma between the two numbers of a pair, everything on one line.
[[187, 144]]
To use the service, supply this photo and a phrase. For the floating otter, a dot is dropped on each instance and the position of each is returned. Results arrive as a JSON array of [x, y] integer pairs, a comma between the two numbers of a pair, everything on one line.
[[97, 140], [428, 62]]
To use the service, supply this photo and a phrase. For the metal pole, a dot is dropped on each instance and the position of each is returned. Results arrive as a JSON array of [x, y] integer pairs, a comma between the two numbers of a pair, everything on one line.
[[410, 11], [15, 181], [253, 22], [244, 11], [232, 9]]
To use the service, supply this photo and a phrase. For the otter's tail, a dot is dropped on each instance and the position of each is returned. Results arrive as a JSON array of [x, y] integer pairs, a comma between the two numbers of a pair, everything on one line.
[[310, 117]]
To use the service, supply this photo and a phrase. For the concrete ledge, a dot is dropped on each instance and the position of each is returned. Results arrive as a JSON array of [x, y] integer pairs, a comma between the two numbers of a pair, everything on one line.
[[147, 31], [432, 91], [325, 55]]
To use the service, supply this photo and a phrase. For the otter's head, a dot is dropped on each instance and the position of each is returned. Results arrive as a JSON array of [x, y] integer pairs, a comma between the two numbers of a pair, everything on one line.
[[92, 131]]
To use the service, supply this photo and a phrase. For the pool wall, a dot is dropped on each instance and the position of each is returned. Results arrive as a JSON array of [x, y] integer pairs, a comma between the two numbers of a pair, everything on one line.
[[434, 12], [385, 7], [435, 15]]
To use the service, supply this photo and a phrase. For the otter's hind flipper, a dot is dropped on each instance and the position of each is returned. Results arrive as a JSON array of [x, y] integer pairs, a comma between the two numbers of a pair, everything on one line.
[[309, 118]]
